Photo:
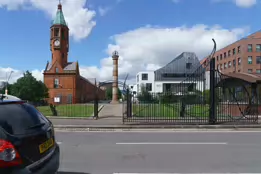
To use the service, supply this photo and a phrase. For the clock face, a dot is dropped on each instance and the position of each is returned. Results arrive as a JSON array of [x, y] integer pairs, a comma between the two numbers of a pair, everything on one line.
[[56, 43]]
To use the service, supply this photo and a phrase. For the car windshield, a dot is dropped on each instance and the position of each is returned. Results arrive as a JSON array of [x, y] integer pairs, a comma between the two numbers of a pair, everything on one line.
[[18, 118]]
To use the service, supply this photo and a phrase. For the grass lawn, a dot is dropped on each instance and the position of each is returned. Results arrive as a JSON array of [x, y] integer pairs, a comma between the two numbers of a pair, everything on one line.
[[71, 110], [169, 110], [156, 110], [198, 111]]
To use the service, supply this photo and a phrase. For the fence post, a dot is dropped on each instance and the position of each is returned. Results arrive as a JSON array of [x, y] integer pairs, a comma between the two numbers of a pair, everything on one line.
[[212, 107], [96, 104], [128, 102]]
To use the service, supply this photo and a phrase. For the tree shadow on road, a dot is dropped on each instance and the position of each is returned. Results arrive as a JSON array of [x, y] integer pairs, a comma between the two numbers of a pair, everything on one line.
[[72, 173]]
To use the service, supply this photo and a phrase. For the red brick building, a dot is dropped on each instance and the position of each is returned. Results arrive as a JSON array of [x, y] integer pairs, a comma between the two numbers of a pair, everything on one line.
[[243, 56], [61, 77]]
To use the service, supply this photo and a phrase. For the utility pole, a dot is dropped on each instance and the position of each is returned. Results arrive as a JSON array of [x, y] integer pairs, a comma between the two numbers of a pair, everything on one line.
[[7, 80]]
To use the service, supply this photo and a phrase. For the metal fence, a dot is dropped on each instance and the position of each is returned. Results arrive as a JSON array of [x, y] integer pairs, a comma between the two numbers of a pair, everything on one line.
[[193, 101]]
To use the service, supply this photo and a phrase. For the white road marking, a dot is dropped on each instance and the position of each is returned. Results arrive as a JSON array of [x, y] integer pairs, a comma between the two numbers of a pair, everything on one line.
[[172, 143]]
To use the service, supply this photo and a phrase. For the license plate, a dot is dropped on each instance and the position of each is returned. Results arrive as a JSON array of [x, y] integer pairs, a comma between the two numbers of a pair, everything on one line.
[[46, 145]]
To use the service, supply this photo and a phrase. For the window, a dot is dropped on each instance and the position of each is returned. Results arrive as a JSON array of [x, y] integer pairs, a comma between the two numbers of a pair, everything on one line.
[[249, 59], [18, 118], [225, 65], [51, 32], [62, 34], [258, 71], [56, 70], [148, 86], [56, 32], [249, 70], [188, 65], [258, 59], [234, 51], [217, 58], [221, 66], [258, 48], [239, 61], [229, 64], [69, 99], [229, 53], [220, 56], [56, 83], [144, 77], [218, 67], [225, 55], [234, 62], [62, 55], [249, 48], [238, 49]]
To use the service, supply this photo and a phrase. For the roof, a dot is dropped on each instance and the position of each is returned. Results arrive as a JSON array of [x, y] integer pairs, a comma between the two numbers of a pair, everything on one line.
[[178, 65], [71, 66], [8, 98], [59, 18], [250, 78]]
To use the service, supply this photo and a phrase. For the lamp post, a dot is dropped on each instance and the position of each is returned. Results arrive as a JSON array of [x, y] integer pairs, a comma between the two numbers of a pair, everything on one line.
[[115, 58], [7, 80]]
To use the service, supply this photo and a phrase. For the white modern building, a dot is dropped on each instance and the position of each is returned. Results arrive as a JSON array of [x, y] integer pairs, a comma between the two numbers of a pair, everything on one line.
[[183, 72]]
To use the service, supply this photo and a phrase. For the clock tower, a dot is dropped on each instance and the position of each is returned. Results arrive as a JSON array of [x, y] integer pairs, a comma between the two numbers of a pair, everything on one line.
[[59, 42]]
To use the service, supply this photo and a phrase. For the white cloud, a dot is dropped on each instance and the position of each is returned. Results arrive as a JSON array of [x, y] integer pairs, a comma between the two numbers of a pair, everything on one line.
[[240, 3], [103, 10], [245, 3], [148, 48], [79, 18]]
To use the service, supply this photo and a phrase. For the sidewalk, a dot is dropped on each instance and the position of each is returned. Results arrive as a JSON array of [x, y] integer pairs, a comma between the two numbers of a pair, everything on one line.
[[116, 123]]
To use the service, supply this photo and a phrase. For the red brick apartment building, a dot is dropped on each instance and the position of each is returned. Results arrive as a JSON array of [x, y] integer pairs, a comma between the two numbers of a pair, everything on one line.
[[61, 77], [241, 56]]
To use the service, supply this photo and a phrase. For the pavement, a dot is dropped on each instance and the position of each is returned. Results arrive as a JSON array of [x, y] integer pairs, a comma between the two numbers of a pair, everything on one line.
[[116, 123], [160, 152]]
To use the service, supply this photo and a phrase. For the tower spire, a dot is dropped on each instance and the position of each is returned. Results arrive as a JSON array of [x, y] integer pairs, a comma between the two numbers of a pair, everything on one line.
[[60, 5]]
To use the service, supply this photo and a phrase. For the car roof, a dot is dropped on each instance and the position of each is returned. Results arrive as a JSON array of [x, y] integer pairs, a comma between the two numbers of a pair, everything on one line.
[[9, 98]]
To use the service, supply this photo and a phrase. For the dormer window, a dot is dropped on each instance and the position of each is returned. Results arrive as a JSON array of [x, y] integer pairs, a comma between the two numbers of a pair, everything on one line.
[[56, 70]]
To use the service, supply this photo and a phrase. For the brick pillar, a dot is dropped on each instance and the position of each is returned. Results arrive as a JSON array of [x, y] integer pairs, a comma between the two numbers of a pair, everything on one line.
[[115, 57]]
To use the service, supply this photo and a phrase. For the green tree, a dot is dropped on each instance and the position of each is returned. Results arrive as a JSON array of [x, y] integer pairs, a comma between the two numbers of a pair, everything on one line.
[[108, 93], [29, 88]]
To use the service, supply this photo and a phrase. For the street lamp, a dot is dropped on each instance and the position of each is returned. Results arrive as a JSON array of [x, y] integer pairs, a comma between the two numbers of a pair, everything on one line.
[[7, 80]]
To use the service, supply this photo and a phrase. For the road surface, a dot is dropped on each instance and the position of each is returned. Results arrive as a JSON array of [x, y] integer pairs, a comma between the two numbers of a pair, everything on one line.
[[162, 152]]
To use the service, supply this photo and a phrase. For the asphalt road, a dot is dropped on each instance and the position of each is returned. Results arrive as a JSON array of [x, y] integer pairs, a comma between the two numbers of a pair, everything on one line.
[[162, 152]]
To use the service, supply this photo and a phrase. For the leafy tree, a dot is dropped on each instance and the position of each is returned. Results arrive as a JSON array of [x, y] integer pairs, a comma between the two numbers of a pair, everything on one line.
[[28, 88], [108, 93]]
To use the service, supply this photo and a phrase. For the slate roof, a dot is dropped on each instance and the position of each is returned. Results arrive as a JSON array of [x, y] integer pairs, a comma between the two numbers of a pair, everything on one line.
[[178, 66], [71, 66]]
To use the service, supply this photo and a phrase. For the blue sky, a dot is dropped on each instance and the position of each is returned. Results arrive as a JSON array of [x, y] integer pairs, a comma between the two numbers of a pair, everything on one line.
[[147, 33]]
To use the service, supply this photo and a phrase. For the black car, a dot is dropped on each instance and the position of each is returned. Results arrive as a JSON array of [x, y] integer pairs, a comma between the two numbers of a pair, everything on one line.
[[27, 140]]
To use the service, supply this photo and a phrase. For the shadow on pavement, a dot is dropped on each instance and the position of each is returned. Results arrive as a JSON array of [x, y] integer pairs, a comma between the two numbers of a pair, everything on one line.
[[72, 173]]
